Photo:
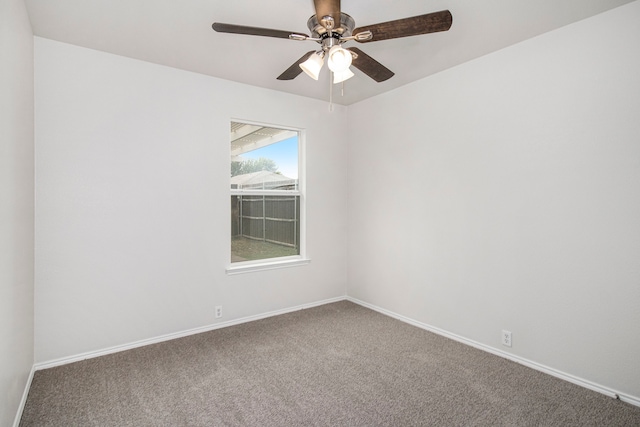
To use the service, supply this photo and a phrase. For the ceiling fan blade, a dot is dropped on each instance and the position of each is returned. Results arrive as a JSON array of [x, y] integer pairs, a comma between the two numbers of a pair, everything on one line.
[[293, 71], [327, 8], [252, 31], [422, 24], [370, 66]]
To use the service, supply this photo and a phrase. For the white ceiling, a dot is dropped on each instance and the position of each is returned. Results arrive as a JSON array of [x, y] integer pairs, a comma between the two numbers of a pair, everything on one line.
[[178, 33]]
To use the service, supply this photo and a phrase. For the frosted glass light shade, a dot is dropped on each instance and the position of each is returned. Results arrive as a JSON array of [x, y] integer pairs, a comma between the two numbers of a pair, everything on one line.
[[340, 76], [339, 59], [313, 65]]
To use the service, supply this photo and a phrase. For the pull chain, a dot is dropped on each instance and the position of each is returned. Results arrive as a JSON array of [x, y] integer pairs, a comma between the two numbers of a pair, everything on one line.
[[330, 91]]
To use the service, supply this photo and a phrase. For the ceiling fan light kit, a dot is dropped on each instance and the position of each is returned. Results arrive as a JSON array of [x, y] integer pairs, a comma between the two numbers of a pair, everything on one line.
[[313, 65], [341, 76], [330, 27], [339, 59]]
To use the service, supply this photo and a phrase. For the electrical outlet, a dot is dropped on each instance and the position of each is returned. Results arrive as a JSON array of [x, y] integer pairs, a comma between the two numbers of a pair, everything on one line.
[[506, 338], [218, 311]]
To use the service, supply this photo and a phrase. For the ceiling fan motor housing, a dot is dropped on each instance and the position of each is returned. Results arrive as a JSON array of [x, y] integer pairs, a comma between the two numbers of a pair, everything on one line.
[[347, 24]]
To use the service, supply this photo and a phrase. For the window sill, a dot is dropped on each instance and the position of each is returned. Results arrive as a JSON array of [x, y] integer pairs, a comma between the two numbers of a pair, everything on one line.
[[262, 266]]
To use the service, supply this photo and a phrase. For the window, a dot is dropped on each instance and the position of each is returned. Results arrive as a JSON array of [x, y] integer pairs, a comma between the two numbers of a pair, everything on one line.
[[266, 199]]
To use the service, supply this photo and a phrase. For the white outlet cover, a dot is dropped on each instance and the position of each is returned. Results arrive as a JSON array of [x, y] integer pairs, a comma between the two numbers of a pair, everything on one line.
[[506, 338]]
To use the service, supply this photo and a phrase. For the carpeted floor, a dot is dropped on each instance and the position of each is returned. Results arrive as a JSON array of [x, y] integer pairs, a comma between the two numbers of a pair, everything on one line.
[[334, 365]]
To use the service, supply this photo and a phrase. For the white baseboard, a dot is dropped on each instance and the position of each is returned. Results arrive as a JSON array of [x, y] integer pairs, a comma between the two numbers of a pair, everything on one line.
[[633, 400], [167, 337], [537, 366], [23, 401]]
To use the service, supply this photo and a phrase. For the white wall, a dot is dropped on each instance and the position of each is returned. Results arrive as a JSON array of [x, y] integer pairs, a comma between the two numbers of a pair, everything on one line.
[[505, 194], [132, 219], [16, 206]]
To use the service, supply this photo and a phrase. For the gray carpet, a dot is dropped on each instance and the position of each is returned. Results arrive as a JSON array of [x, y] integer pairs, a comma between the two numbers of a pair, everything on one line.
[[334, 365]]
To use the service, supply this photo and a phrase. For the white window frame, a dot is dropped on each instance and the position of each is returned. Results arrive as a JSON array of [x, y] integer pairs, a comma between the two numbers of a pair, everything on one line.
[[280, 262]]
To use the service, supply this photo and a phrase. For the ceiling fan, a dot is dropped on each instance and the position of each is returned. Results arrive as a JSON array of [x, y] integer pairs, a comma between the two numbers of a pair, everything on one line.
[[330, 27]]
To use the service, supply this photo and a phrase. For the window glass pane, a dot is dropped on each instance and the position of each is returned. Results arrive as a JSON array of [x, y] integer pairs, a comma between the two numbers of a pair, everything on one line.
[[264, 227], [263, 158]]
